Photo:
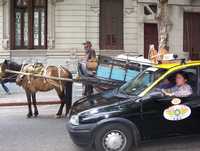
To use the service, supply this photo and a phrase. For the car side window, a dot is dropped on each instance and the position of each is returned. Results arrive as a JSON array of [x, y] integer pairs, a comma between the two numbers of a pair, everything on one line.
[[192, 78], [169, 84]]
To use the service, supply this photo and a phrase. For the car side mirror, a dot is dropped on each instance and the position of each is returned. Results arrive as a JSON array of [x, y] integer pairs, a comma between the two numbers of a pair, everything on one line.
[[156, 95]]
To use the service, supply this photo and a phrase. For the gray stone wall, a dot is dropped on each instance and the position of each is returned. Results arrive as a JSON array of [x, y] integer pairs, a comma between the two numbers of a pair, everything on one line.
[[71, 22]]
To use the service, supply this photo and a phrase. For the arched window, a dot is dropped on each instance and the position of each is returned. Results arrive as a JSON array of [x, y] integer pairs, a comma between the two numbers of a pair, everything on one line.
[[28, 24]]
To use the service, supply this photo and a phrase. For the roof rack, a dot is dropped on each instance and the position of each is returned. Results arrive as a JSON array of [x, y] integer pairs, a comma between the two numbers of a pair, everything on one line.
[[171, 58]]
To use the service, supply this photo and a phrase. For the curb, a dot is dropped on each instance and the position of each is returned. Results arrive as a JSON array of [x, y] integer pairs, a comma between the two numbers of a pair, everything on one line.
[[25, 103]]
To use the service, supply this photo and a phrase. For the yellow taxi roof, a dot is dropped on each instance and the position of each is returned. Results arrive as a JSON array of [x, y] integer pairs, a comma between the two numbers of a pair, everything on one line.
[[177, 64]]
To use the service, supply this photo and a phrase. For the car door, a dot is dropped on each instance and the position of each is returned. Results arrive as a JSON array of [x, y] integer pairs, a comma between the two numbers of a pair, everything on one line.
[[191, 124], [162, 118], [154, 124]]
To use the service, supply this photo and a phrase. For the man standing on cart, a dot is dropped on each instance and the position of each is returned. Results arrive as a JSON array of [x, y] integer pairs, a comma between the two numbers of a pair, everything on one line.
[[89, 65], [89, 51]]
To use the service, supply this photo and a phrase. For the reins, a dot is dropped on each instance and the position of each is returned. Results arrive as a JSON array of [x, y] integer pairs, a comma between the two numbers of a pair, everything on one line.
[[9, 77]]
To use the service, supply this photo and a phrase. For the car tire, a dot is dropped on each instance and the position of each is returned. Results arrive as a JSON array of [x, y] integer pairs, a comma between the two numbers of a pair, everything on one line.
[[113, 136]]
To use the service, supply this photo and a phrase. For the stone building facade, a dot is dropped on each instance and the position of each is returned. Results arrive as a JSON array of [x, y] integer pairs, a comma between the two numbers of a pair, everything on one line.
[[113, 26]]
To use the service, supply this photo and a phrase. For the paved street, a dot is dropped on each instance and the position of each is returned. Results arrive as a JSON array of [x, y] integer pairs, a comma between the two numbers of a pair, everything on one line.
[[42, 134], [46, 133]]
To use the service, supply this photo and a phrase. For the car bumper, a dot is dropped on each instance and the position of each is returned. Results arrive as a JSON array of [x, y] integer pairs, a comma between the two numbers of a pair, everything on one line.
[[81, 135]]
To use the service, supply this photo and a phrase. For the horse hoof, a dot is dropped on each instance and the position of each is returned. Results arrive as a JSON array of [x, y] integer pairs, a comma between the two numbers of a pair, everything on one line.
[[58, 116], [29, 115], [36, 114]]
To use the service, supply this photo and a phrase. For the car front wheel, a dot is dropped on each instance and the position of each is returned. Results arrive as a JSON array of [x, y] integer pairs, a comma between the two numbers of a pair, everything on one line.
[[114, 137]]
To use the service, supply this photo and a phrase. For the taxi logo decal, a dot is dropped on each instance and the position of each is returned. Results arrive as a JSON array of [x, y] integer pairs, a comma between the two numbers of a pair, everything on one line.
[[176, 101], [177, 113]]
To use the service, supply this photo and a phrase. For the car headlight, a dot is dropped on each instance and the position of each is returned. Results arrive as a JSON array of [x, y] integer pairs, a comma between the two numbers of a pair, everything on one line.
[[74, 120]]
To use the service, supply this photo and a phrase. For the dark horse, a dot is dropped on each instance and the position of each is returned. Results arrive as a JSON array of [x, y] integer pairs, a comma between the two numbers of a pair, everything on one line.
[[33, 84], [9, 77]]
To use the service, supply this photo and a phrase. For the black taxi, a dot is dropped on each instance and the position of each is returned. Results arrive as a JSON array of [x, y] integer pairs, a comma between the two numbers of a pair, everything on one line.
[[140, 110]]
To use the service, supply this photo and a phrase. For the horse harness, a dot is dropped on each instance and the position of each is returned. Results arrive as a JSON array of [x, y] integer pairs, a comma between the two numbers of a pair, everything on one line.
[[40, 69]]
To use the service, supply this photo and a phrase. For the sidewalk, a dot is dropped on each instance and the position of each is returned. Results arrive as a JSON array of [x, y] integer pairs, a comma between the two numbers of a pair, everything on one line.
[[18, 96]]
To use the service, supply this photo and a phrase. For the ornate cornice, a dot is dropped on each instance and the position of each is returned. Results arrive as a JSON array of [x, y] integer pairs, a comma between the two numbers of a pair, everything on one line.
[[94, 6], [94, 9], [130, 7], [3, 2], [53, 2], [129, 11]]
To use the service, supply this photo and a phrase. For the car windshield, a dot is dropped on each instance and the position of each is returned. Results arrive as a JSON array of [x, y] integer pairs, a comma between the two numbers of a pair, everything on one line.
[[142, 81]]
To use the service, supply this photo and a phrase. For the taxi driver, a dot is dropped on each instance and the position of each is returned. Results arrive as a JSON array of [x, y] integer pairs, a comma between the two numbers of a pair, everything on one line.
[[181, 89]]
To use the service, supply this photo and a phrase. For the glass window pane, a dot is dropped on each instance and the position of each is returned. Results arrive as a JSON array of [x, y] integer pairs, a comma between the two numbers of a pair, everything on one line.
[[22, 3], [26, 29], [22, 24], [40, 3], [42, 27], [36, 27], [18, 29]]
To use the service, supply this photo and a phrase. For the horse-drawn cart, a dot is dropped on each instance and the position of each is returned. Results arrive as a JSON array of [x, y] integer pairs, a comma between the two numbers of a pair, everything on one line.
[[113, 72], [110, 73]]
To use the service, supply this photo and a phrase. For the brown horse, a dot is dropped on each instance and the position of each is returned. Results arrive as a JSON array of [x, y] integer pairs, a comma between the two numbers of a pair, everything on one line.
[[33, 84]]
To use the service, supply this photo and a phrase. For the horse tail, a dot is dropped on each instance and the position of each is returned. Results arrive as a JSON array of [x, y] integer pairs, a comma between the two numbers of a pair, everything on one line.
[[68, 90]]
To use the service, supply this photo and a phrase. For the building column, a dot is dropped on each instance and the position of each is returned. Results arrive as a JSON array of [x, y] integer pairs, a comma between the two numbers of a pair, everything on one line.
[[4, 28], [51, 24], [92, 19], [130, 27]]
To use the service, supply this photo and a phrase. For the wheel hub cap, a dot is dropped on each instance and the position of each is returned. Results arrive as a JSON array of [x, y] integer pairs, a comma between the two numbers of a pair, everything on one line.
[[114, 141]]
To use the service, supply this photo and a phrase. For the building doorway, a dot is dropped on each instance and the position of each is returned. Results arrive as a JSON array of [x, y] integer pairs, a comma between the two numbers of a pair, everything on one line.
[[191, 41], [150, 37]]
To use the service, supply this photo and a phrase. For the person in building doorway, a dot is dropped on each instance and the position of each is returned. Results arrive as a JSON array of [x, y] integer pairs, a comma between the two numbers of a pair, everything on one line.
[[162, 52], [153, 54]]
